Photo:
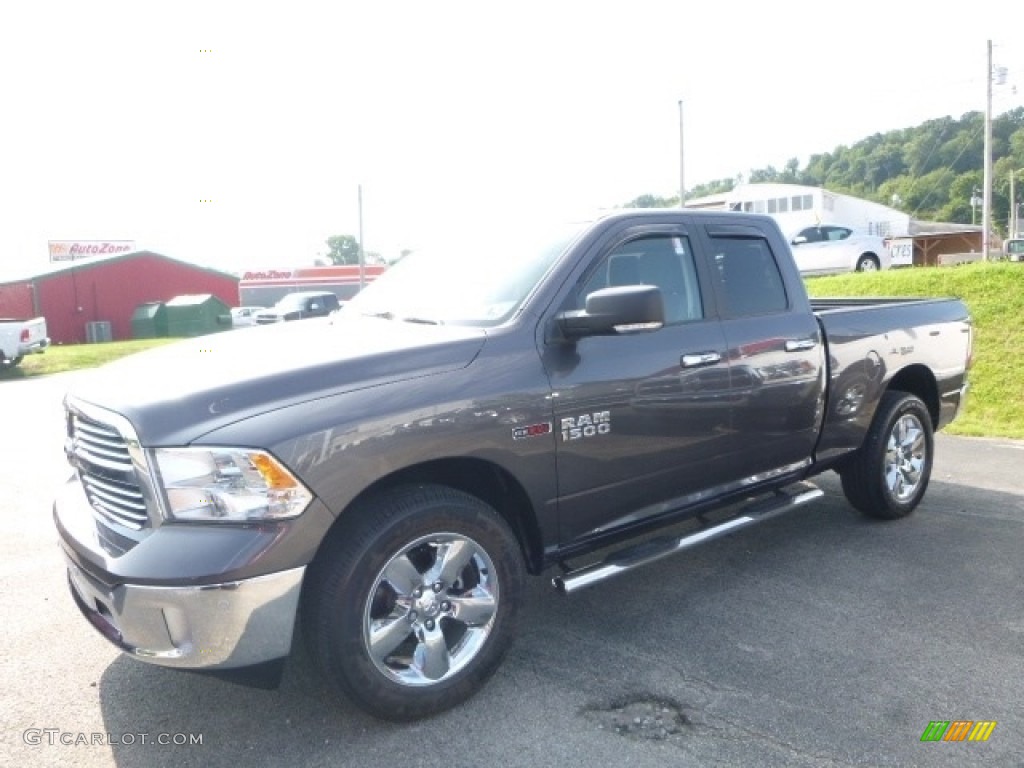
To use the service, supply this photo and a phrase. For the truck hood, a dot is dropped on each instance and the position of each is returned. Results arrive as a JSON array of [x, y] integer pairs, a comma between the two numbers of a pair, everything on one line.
[[177, 393]]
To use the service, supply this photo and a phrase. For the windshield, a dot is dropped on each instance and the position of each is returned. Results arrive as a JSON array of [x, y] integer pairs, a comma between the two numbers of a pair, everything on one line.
[[1015, 246], [479, 283]]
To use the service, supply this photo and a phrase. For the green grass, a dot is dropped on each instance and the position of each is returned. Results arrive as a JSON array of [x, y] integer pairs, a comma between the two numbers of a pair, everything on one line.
[[71, 357], [994, 294]]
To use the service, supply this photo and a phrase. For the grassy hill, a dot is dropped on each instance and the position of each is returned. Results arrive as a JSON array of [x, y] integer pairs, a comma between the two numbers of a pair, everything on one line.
[[994, 294]]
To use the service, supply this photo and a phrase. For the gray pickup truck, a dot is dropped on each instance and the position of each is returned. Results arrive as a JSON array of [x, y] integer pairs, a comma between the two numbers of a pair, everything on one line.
[[382, 483]]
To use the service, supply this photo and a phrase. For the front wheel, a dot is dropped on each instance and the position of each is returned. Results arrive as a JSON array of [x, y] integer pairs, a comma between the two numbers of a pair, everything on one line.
[[412, 602], [887, 477]]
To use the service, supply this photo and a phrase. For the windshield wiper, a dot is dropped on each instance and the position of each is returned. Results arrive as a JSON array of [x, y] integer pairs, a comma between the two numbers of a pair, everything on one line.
[[421, 320], [382, 315]]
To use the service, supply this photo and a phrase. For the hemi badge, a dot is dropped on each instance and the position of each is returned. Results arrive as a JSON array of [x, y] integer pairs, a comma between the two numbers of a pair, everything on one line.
[[534, 430]]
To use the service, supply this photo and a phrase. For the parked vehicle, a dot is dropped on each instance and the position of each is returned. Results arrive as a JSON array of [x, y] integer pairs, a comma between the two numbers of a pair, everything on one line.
[[299, 306], [828, 249], [391, 475], [242, 317], [1014, 249], [21, 337]]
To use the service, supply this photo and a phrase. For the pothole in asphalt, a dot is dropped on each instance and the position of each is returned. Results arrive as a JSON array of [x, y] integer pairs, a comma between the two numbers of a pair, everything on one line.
[[641, 717]]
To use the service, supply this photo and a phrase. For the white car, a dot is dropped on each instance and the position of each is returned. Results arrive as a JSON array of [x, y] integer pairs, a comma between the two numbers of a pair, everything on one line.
[[243, 316], [827, 249]]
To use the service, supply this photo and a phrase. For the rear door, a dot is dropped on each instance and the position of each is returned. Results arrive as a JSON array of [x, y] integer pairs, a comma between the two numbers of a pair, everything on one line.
[[641, 419], [775, 350]]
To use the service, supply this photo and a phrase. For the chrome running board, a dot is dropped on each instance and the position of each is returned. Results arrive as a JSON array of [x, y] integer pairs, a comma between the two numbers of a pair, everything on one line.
[[635, 555]]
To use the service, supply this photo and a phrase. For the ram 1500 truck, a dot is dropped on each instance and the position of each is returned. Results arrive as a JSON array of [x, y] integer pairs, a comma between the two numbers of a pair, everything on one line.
[[21, 337], [384, 481]]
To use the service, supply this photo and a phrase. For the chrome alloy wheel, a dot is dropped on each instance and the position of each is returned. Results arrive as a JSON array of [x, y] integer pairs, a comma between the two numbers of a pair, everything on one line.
[[905, 457], [431, 609]]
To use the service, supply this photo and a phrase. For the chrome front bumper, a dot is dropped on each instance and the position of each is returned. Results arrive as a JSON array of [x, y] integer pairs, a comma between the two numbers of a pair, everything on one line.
[[235, 624]]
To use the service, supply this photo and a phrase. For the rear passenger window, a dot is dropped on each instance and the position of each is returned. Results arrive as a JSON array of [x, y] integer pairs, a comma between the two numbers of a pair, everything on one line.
[[748, 276]]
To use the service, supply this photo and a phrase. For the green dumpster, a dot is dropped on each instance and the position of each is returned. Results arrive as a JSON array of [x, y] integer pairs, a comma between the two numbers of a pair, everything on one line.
[[149, 321], [195, 315]]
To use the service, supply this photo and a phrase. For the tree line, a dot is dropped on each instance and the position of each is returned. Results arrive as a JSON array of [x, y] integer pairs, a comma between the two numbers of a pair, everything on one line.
[[932, 171]]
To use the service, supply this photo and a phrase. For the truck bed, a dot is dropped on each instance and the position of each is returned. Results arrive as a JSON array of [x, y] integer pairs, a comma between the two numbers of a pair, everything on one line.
[[872, 341]]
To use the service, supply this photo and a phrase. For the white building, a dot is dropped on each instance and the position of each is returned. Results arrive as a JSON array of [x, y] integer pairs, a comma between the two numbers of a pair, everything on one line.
[[795, 206]]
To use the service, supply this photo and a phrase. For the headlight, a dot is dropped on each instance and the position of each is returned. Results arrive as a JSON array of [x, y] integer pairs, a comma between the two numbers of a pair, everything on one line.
[[228, 485]]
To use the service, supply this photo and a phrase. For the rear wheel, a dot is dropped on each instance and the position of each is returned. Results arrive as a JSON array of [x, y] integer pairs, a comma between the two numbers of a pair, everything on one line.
[[412, 602], [887, 477], [10, 362], [867, 263]]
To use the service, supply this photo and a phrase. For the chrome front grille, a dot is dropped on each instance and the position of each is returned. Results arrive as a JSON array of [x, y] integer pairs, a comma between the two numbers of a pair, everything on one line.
[[103, 457]]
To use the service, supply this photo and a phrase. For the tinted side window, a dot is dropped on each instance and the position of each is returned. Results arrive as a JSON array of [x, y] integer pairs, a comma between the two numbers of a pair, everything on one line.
[[748, 276], [662, 260], [838, 233]]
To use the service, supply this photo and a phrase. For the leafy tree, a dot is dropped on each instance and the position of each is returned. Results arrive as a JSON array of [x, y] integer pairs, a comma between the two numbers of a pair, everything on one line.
[[652, 201], [716, 187], [791, 172], [343, 249], [933, 167]]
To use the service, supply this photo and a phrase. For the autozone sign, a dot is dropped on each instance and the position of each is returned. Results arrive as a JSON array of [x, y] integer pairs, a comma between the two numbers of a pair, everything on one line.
[[69, 250]]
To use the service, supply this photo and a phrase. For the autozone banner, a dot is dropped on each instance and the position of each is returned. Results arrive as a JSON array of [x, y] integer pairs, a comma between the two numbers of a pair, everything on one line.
[[70, 250]]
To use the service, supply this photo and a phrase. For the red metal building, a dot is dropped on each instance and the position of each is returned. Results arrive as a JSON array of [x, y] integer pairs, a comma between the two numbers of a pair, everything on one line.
[[72, 295]]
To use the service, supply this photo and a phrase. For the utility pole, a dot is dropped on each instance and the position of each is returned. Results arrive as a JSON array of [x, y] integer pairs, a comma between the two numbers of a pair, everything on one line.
[[986, 209], [682, 167], [1011, 225], [362, 258]]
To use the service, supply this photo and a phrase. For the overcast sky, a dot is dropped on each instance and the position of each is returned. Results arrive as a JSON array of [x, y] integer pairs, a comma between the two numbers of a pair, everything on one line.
[[119, 118]]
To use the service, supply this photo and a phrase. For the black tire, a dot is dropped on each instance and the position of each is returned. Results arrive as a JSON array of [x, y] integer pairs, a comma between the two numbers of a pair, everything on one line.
[[867, 263], [10, 362], [888, 476], [437, 575]]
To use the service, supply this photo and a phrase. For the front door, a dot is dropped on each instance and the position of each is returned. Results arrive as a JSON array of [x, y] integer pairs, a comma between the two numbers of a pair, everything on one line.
[[642, 418]]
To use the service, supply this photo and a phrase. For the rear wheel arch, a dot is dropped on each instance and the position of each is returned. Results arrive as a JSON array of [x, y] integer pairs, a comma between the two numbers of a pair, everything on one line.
[[919, 380]]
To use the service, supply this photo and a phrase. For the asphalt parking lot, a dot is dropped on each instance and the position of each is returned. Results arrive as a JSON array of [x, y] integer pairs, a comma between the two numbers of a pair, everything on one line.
[[816, 639]]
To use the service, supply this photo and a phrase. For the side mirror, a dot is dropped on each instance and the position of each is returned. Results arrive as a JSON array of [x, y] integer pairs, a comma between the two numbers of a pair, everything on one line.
[[610, 311], [798, 240], [314, 307]]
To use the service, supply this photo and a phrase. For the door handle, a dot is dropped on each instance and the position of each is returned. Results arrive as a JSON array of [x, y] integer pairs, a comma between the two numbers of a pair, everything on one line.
[[700, 358], [800, 345]]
